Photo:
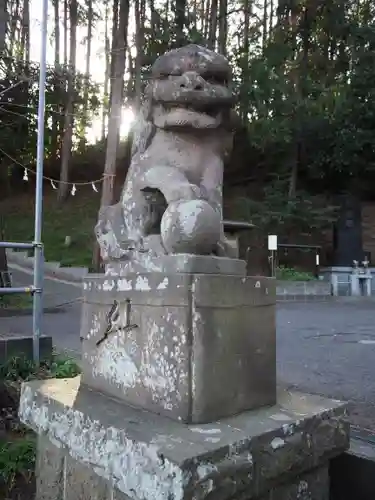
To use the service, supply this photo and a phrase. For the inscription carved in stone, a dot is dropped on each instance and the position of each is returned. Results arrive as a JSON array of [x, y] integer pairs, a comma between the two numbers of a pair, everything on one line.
[[113, 318]]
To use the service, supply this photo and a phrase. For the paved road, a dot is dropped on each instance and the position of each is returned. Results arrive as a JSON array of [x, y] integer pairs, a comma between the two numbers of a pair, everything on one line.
[[329, 348], [325, 348], [62, 326]]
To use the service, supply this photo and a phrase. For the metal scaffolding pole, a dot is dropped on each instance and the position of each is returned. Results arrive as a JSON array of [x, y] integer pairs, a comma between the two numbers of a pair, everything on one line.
[[38, 254]]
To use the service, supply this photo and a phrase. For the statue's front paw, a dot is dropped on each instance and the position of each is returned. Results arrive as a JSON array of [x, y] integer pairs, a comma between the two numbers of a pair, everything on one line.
[[186, 193], [225, 249]]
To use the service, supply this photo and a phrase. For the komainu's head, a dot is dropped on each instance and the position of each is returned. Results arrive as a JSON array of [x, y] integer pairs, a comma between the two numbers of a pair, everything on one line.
[[190, 88]]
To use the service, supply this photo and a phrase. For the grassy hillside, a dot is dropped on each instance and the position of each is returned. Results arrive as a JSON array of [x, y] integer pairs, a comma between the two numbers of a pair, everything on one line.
[[76, 218]]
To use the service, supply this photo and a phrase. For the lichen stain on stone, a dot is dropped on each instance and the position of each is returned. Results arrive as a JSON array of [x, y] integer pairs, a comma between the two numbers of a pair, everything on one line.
[[277, 443], [134, 466], [96, 323], [205, 430], [114, 364], [163, 285], [124, 285], [212, 440], [205, 470], [163, 368], [303, 490], [280, 417], [126, 362], [288, 429], [108, 285], [142, 284], [189, 216]]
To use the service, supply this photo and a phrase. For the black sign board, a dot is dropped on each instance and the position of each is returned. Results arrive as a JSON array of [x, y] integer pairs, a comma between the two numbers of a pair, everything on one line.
[[347, 235]]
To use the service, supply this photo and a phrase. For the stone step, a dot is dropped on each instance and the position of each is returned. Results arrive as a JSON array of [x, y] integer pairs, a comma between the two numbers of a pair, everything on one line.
[[12, 254], [51, 268], [73, 273], [52, 264]]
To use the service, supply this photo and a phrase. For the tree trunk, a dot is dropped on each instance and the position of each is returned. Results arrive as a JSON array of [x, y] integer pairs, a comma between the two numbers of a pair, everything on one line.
[[180, 21], [115, 27], [213, 25], [245, 64], [25, 36], [195, 14], [90, 15], [271, 18], [15, 17], [107, 72], [66, 149], [119, 59], [295, 146], [202, 18], [265, 25], [153, 16], [116, 103], [223, 26], [56, 116], [56, 12], [65, 58], [139, 9], [207, 7], [3, 24], [65, 22], [130, 70]]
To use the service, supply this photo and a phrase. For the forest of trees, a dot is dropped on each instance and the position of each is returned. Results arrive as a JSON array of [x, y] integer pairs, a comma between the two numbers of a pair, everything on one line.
[[304, 71]]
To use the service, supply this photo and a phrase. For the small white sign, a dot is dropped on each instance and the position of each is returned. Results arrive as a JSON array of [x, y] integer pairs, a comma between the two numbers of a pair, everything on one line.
[[272, 242], [317, 259]]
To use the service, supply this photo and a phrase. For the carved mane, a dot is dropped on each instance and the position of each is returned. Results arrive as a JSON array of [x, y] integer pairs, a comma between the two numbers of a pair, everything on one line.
[[143, 128]]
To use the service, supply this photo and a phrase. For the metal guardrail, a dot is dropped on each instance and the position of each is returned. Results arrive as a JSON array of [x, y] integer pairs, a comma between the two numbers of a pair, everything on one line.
[[17, 246], [36, 289], [294, 245]]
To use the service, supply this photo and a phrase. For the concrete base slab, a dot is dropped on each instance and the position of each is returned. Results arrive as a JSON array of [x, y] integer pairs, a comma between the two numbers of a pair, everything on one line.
[[95, 443]]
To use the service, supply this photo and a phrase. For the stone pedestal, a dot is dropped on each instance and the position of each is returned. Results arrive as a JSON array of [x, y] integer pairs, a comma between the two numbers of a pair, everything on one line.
[[95, 447], [177, 398], [360, 284], [194, 347]]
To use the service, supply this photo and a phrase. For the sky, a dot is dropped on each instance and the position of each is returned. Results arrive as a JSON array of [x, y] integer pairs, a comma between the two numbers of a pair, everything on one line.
[[97, 69], [97, 58]]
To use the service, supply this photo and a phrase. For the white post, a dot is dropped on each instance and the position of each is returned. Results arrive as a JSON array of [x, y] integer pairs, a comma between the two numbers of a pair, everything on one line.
[[38, 248], [272, 247]]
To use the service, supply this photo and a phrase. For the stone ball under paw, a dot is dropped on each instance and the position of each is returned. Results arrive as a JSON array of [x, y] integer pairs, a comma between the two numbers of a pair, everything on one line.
[[190, 227]]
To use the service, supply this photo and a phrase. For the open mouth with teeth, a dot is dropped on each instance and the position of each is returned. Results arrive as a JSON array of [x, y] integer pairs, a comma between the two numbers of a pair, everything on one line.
[[182, 114], [184, 117], [202, 109]]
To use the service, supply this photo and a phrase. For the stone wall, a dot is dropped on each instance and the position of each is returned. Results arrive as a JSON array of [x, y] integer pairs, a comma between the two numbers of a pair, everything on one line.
[[307, 290]]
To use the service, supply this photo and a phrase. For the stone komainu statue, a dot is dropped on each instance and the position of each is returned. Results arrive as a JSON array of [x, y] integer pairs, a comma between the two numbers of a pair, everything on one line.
[[171, 201]]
